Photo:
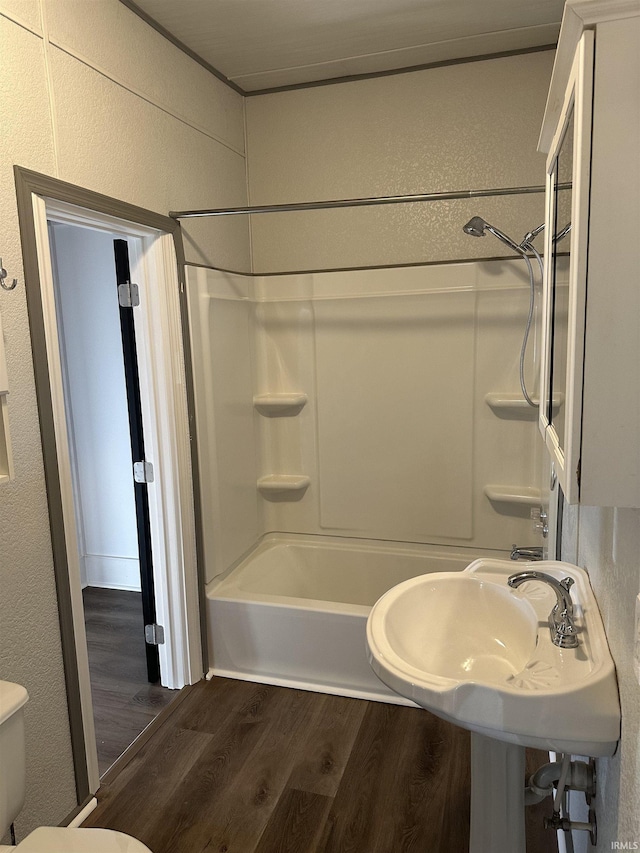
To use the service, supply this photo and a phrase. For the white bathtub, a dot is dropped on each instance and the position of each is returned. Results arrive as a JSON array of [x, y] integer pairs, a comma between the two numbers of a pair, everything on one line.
[[294, 611]]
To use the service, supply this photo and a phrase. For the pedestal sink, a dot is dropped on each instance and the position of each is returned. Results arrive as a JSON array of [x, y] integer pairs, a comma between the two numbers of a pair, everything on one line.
[[471, 650]]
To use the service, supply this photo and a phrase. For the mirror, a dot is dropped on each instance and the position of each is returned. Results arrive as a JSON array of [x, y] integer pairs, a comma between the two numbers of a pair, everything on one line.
[[560, 265]]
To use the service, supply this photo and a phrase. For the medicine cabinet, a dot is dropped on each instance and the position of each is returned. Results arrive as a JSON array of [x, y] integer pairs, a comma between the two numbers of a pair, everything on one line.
[[589, 411]]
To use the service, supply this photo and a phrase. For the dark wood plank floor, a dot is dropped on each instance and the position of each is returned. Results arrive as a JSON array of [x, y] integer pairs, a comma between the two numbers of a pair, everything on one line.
[[238, 767], [124, 703]]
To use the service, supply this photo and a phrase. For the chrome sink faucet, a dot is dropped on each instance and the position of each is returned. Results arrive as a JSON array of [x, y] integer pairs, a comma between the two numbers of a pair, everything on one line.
[[561, 621]]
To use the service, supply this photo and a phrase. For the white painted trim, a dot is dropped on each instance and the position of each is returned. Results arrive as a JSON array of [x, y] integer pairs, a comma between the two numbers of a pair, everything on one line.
[[172, 515], [578, 16], [71, 437], [66, 483], [597, 11], [70, 214], [577, 104], [84, 814]]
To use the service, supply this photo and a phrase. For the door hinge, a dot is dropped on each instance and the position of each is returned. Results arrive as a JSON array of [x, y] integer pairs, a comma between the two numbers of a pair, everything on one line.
[[128, 295], [143, 472], [154, 635]]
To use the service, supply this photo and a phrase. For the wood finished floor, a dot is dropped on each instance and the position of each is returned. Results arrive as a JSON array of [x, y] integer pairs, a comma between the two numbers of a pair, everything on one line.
[[124, 703], [238, 767]]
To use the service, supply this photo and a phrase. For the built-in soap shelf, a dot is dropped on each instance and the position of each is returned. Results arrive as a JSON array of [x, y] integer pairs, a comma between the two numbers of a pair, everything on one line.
[[279, 405], [281, 485], [510, 406], [515, 407], [513, 495]]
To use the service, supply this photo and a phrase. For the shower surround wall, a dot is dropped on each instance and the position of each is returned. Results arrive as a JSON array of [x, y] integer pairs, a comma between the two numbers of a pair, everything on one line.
[[391, 395]]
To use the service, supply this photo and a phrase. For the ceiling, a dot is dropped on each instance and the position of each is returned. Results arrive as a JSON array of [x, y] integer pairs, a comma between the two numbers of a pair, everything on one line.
[[266, 44]]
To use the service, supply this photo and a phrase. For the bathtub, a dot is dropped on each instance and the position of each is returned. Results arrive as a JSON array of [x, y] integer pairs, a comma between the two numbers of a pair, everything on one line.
[[294, 611]]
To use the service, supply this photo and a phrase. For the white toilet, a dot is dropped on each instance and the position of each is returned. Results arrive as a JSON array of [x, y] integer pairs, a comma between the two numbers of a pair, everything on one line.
[[13, 776]]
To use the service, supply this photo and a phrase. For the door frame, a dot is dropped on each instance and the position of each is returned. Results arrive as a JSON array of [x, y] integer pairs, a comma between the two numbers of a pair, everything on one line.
[[157, 261]]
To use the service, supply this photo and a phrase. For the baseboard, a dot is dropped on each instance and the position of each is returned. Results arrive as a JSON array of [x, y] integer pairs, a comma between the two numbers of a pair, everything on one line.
[[312, 687], [81, 813], [109, 572]]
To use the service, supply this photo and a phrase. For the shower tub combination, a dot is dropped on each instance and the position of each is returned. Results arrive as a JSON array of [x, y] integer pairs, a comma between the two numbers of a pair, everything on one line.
[[294, 611]]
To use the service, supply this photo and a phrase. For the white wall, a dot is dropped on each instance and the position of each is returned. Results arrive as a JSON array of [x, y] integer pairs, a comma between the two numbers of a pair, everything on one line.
[[97, 406], [606, 542], [103, 101]]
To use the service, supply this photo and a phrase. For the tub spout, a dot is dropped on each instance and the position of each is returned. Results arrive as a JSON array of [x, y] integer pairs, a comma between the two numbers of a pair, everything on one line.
[[534, 553]]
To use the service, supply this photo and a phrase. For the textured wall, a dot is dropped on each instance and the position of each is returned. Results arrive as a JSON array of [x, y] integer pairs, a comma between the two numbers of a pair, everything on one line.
[[457, 127], [606, 542], [103, 101]]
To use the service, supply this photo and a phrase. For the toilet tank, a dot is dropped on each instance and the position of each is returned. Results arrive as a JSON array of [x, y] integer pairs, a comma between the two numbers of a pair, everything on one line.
[[13, 774]]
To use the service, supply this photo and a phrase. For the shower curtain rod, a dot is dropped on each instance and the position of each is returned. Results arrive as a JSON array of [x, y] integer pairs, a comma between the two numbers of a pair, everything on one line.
[[359, 202]]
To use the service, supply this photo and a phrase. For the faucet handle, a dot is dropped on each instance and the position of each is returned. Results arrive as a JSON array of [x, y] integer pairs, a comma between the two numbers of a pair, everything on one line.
[[562, 619], [567, 583], [540, 517]]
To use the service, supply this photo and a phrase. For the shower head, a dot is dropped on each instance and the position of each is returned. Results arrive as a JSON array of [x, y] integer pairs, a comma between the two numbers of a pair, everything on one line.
[[477, 226]]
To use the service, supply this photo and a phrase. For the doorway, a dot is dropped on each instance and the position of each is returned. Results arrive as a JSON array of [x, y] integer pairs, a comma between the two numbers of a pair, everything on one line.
[[153, 246], [106, 433]]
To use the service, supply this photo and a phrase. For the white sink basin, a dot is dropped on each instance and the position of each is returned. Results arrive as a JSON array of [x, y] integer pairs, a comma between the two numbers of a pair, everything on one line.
[[470, 649]]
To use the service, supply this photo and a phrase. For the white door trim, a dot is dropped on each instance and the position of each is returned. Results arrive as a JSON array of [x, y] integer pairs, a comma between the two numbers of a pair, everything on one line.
[[165, 414]]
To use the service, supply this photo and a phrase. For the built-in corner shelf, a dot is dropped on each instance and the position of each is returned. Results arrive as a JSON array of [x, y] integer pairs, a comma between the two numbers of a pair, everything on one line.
[[513, 495], [281, 484], [279, 405], [515, 407], [511, 406]]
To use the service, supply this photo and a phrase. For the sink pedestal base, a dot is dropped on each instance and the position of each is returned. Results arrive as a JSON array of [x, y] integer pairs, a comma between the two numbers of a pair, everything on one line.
[[497, 796]]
